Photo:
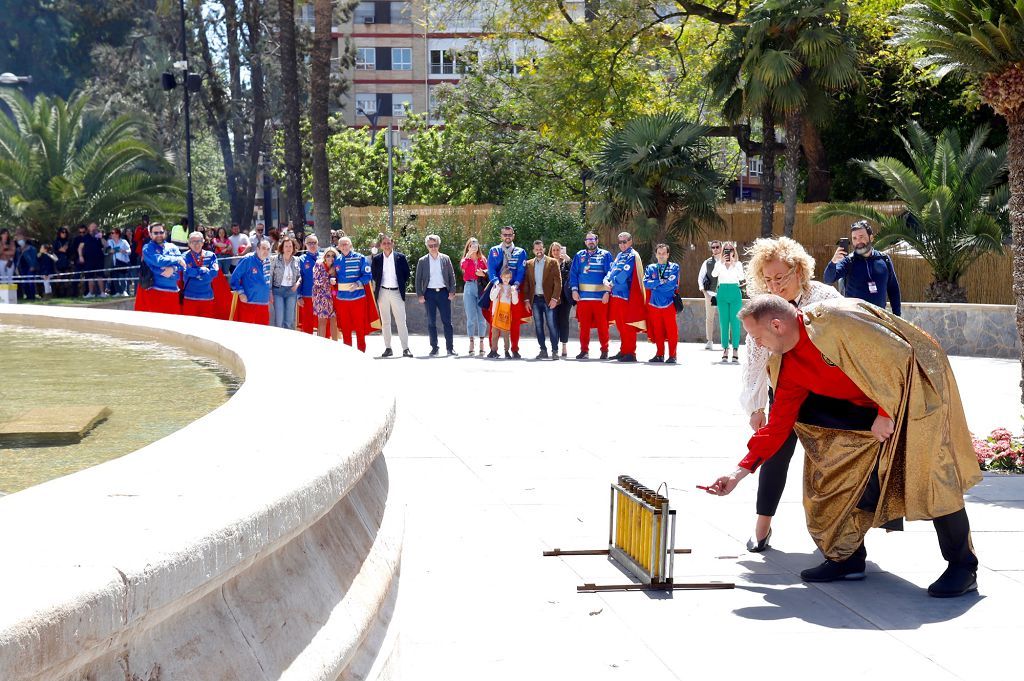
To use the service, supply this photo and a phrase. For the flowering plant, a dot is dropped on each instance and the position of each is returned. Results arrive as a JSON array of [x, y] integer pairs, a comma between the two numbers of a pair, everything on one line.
[[1000, 451]]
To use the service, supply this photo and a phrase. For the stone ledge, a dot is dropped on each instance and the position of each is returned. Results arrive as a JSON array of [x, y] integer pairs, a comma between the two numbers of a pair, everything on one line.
[[52, 425], [181, 560]]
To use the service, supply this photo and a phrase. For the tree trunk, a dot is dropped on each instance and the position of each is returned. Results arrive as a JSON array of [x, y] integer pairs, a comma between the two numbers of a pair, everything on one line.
[[945, 292], [1015, 154], [767, 172], [236, 103], [253, 13], [819, 177], [794, 129], [319, 94], [290, 113]]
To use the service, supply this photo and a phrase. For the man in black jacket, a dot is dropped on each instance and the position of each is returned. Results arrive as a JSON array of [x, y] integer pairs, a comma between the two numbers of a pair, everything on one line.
[[390, 272]]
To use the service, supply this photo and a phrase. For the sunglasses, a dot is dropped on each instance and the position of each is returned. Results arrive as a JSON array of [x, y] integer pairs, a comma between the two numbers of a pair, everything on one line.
[[716, 248], [623, 241]]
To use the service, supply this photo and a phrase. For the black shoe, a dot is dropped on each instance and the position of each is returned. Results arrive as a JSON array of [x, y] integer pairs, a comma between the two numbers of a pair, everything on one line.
[[452, 353], [493, 354], [604, 354], [406, 353], [755, 546], [657, 359], [957, 580], [387, 353], [831, 570], [516, 355], [433, 352], [583, 355], [670, 360], [627, 358], [554, 355], [543, 354], [613, 358]]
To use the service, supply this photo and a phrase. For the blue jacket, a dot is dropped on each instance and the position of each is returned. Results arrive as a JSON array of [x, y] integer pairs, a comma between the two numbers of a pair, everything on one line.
[[586, 276], [199, 275], [157, 257], [27, 259], [663, 282], [307, 261], [252, 277], [620, 276], [862, 273], [352, 269], [516, 263]]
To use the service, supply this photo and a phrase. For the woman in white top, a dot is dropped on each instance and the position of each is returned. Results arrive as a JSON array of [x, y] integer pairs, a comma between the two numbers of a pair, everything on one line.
[[780, 266], [729, 272]]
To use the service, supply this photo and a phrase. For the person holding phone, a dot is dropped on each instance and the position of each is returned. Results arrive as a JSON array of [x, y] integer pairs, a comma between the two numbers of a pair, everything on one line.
[[867, 273], [729, 273]]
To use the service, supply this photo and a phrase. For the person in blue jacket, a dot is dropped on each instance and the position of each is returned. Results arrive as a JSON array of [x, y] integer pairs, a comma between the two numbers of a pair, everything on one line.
[[661, 279], [351, 306], [307, 262], [586, 281], [251, 281], [508, 255], [159, 291], [201, 269], [868, 274]]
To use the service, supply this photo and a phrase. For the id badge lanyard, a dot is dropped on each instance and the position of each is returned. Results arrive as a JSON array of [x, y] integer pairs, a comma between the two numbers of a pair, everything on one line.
[[872, 286]]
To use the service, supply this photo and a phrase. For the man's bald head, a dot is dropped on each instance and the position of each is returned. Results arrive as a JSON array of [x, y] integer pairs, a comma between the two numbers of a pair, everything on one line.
[[772, 322]]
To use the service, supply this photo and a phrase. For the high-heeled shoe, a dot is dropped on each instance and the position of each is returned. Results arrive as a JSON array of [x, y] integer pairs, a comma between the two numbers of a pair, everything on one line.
[[755, 546]]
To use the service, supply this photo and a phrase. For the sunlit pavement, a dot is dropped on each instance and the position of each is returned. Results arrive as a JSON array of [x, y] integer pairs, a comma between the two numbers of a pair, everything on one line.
[[500, 460]]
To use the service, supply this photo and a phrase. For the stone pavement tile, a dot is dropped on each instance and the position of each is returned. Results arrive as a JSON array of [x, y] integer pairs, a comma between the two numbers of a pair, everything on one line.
[[1015, 575], [1000, 550], [996, 488], [1007, 516]]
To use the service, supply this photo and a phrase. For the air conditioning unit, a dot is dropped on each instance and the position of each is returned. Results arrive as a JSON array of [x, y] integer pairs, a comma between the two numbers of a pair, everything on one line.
[[367, 20]]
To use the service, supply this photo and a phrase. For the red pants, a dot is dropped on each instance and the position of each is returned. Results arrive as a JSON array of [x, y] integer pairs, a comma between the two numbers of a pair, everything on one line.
[[199, 308], [518, 312], [590, 314], [352, 319], [253, 313], [662, 329], [307, 320], [155, 300], [627, 332]]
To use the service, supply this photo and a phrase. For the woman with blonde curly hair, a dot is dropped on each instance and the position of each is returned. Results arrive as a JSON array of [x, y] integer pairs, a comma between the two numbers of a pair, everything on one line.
[[780, 266]]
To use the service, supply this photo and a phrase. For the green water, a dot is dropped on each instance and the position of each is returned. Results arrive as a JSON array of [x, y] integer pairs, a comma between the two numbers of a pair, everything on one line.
[[152, 390]]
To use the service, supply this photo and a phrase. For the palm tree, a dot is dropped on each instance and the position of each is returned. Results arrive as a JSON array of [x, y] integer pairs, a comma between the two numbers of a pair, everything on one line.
[[784, 60], [654, 174], [953, 197], [60, 164], [296, 206], [319, 96], [982, 41]]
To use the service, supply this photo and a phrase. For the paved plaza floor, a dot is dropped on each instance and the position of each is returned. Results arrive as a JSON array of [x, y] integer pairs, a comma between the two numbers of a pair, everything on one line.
[[498, 461]]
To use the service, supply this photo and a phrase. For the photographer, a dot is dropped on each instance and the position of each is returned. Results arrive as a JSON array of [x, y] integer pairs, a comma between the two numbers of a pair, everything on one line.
[[868, 274], [729, 273]]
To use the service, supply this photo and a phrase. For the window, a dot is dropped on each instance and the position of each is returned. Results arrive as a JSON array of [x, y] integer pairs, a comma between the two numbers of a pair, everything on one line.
[[399, 104], [366, 59], [400, 13], [306, 17], [401, 58], [367, 103], [365, 13], [449, 62], [756, 167], [466, 61]]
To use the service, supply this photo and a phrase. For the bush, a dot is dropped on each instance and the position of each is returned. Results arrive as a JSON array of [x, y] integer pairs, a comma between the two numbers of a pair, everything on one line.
[[538, 215]]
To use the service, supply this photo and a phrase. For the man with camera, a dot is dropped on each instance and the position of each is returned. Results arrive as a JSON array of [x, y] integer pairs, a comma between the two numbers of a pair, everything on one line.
[[868, 274]]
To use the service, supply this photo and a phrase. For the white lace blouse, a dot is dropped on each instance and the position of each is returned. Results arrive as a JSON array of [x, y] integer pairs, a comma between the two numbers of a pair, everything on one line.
[[754, 392]]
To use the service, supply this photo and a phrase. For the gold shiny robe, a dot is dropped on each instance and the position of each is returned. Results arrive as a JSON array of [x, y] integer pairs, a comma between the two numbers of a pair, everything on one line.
[[924, 468]]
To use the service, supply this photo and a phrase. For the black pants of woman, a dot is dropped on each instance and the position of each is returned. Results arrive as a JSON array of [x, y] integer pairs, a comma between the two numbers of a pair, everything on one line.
[[562, 321]]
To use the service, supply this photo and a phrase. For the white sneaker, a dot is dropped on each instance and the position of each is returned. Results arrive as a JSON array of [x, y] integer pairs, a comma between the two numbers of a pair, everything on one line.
[[104, 295], [709, 346], [125, 294], [88, 295]]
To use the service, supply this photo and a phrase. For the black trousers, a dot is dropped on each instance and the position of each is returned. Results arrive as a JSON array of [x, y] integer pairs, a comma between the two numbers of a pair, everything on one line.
[[562, 320], [437, 302], [953, 530]]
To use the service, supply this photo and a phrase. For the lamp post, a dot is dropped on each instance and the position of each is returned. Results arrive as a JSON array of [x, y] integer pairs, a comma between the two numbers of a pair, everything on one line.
[[585, 175], [191, 82], [11, 79], [391, 164]]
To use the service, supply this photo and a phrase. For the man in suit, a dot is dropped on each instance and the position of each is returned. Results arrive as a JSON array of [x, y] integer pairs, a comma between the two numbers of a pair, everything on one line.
[[435, 287], [542, 289], [390, 271]]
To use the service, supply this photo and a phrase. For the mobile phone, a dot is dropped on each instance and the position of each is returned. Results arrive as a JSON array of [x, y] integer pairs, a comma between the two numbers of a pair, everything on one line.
[[844, 243]]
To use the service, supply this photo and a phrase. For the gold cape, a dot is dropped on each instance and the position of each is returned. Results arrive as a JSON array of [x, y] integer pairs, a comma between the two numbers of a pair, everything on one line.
[[924, 468]]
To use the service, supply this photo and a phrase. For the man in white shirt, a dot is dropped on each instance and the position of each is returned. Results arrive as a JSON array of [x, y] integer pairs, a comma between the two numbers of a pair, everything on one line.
[[122, 255], [240, 246], [258, 234], [390, 271], [708, 286]]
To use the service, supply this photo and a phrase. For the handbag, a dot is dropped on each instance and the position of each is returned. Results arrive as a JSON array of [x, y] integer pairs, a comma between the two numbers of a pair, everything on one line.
[[502, 318], [677, 302]]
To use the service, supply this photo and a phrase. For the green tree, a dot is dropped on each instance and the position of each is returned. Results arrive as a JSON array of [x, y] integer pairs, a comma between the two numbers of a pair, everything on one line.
[[982, 40], [60, 164], [654, 175], [536, 214], [953, 196]]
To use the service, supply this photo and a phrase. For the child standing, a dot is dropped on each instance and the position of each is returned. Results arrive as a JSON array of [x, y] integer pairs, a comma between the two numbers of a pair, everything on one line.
[[503, 297]]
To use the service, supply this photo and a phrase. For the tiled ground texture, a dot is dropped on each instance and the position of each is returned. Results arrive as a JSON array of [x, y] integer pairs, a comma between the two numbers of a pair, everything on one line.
[[498, 461]]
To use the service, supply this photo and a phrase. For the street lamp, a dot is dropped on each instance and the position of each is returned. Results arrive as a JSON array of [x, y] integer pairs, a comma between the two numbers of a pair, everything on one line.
[[192, 83], [391, 164], [11, 79], [585, 175]]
